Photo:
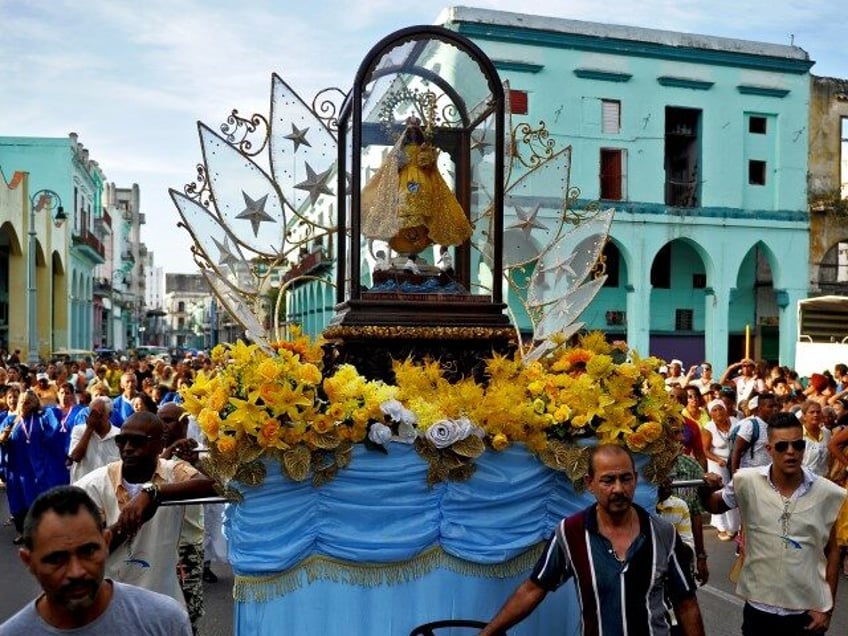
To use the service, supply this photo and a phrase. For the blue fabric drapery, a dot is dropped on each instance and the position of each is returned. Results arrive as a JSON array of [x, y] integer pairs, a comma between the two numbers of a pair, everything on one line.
[[376, 551]]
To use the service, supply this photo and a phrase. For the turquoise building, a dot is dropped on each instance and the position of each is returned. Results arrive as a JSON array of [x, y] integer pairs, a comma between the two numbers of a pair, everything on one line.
[[67, 255], [700, 144]]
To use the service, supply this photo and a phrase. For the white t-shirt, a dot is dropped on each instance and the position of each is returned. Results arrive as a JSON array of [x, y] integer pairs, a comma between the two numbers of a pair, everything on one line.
[[746, 432], [816, 457], [100, 451]]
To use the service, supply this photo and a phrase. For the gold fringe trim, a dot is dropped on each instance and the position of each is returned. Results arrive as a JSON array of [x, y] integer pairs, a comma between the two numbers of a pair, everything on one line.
[[263, 588]]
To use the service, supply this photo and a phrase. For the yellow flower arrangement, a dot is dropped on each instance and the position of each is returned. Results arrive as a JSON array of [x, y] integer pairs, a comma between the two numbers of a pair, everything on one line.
[[279, 405]]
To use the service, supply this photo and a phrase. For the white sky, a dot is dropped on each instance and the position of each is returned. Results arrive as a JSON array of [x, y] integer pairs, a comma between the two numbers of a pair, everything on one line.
[[133, 78]]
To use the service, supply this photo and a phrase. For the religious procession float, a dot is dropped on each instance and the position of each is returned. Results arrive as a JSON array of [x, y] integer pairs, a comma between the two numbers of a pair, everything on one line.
[[407, 465]]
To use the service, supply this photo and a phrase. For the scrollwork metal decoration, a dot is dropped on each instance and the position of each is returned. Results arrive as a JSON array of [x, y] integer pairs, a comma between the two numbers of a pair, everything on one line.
[[326, 105], [238, 131], [198, 190], [536, 141]]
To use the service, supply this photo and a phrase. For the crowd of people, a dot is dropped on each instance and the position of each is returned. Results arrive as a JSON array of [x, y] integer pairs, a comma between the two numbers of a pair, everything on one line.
[[98, 447], [115, 429], [771, 451]]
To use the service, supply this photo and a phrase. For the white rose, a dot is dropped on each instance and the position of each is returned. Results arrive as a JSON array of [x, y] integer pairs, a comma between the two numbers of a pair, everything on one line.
[[406, 433], [380, 434], [446, 432], [398, 413]]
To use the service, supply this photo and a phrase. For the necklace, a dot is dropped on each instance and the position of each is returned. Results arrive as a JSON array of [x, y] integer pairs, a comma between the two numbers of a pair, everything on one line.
[[611, 549], [785, 518], [27, 431], [64, 421]]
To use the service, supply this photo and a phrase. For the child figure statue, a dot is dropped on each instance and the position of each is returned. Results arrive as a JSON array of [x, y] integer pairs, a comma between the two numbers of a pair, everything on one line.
[[407, 202]]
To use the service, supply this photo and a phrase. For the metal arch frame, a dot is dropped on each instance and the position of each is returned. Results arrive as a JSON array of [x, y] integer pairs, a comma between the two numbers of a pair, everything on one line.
[[352, 109]]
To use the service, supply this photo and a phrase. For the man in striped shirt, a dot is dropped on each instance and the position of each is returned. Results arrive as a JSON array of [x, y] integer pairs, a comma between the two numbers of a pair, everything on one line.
[[624, 562]]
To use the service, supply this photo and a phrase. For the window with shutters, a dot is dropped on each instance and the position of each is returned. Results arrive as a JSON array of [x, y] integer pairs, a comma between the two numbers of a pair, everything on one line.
[[518, 102], [610, 116], [612, 178]]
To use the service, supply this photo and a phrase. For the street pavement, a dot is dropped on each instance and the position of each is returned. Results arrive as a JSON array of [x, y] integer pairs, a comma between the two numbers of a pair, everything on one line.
[[721, 609]]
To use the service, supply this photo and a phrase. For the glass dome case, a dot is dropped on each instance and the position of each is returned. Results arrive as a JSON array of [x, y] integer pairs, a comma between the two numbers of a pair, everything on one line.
[[421, 147], [421, 141]]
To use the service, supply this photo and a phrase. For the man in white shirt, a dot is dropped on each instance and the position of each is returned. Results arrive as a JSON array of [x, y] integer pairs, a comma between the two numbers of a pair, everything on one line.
[[752, 431], [145, 536], [791, 568], [93, 442]]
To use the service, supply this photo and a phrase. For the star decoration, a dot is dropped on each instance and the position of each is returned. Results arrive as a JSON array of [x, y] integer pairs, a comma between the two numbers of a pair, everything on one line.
[[298, 136], [226, 258], [254, 212], [560, 269], [480, 144], [315, 184], [527, 220]]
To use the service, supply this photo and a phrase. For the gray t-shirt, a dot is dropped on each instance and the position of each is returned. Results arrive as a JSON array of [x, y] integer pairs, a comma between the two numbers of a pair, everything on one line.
[[132, 610]]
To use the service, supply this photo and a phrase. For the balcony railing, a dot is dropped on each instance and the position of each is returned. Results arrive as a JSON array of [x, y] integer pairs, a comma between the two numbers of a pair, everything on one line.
[[89, 243], [104, 221]]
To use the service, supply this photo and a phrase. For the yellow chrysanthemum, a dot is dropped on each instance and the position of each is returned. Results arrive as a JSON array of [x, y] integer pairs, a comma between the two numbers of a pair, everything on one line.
[[500, 442], [226, 444]]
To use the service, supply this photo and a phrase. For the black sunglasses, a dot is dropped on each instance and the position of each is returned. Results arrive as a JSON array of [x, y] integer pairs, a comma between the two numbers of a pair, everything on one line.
[[783, 446], [135, 439]]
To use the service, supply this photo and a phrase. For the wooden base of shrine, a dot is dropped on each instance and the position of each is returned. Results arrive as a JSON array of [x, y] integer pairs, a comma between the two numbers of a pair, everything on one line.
[[460, 331]]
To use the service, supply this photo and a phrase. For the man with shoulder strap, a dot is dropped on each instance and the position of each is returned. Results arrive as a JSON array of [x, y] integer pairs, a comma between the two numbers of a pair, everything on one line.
[[752, 432], [624, 562]]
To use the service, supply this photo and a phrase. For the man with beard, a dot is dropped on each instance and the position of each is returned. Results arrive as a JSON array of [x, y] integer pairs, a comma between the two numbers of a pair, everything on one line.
[[65, 548], [144, 546], [624, 562]]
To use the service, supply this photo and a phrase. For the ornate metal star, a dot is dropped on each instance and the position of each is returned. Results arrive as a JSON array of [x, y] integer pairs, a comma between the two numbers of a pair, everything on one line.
[[480, 144], [254, 212], [315, 184], [298, 136], [226, 258], [527, 220]]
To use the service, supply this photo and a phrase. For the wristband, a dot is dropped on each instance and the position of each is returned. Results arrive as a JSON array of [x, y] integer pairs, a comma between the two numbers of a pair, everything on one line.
[[701, 555]]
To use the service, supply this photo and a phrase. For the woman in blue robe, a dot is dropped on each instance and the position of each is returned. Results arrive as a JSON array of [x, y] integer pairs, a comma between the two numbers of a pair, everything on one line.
[[8, 407], [33, 465], [66, 416]]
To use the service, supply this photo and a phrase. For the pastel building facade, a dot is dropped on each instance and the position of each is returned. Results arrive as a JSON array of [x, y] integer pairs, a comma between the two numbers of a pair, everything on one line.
[[700, 144], [66, 255]]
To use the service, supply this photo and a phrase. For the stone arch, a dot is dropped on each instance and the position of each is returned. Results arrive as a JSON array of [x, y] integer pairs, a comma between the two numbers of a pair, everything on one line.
[[678, 300], [609, 307], [59, 302], [754, 305], [831, 274], [12, 272], [9, 238]]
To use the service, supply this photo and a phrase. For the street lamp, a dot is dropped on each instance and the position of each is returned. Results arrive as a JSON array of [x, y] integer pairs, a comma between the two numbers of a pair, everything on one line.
[[41, 200]]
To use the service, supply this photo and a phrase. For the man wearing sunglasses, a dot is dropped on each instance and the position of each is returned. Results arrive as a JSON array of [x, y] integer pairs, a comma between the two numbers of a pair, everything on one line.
[[791, 566], [143, 550]]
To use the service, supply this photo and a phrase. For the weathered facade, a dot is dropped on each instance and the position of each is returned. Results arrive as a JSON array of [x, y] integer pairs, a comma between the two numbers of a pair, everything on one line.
[[828, 186]]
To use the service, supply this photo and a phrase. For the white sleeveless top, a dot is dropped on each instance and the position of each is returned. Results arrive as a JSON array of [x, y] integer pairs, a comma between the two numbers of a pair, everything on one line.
[[721, 441]]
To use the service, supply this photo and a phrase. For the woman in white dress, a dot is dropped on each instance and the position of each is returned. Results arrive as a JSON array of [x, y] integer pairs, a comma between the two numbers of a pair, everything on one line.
[[716, 437]]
